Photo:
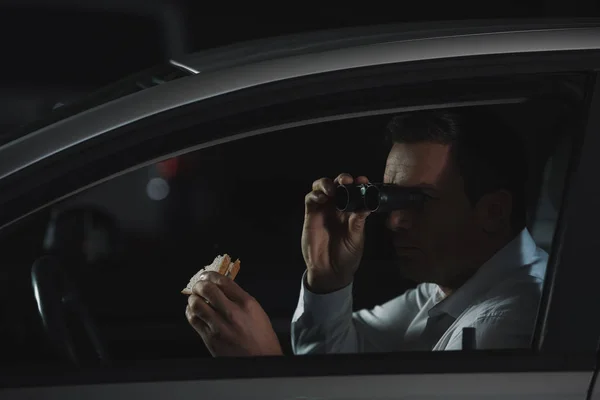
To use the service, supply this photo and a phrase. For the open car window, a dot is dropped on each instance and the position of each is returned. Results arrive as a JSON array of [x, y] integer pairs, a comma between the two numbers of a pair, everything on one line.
[[155, 227], [235, 184]]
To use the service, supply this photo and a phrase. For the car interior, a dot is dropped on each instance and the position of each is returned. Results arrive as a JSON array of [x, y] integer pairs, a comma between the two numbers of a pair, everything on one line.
[[97, 278]]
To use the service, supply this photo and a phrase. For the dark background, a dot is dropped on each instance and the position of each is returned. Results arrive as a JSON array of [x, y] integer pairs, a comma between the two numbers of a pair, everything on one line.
[[56, 51]]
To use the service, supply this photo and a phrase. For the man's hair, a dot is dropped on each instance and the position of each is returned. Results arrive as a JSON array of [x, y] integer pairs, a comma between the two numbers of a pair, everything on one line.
[[490, 155]]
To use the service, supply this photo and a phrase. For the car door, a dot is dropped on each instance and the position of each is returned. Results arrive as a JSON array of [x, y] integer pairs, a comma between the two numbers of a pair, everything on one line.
[[258, 130]]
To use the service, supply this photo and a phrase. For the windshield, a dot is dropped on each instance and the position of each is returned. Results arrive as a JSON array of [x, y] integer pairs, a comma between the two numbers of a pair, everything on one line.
[[134, 83]]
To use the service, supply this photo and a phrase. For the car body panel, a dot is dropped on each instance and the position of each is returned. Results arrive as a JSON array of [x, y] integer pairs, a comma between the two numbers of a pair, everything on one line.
[[525, 386]]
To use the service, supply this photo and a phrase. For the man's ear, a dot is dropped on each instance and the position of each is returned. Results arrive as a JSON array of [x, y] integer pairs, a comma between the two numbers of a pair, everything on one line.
[[493, 211]]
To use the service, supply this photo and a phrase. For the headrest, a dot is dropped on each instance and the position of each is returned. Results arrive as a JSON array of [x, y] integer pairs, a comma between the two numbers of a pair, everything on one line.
[[83, 235]]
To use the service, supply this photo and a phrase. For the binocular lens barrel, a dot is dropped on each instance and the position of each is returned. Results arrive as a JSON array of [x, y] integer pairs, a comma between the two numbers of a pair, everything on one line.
[[349, 198], [377, 198]]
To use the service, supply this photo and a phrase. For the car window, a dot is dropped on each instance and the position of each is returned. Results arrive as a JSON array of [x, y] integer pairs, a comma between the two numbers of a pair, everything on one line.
[[131, 244]]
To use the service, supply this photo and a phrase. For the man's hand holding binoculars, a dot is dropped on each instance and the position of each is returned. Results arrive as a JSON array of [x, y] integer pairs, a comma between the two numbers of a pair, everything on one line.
[[333, 236], [332, 240]]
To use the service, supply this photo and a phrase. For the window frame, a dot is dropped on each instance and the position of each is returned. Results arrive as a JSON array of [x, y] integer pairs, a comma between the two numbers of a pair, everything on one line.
[[548, 355], [574, 217]]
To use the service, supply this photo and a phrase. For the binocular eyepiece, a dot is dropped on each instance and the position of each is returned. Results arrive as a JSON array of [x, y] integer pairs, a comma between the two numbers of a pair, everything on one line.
[[378, 198]]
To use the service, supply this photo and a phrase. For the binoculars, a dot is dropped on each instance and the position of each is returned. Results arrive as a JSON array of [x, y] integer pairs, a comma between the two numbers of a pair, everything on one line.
[[378, 198]]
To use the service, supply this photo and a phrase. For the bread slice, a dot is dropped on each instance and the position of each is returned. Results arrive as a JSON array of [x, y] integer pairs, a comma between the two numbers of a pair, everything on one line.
[[233, 269], [221, 264]]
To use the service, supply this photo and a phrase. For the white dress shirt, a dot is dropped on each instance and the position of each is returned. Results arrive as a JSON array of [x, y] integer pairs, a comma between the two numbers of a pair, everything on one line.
[[500, 301]]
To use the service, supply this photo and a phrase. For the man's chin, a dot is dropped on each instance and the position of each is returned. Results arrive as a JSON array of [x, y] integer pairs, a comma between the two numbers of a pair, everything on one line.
[[414, 270]]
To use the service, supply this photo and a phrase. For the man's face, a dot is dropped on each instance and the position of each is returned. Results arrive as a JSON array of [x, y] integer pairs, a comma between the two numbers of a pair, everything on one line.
[[434, 244]]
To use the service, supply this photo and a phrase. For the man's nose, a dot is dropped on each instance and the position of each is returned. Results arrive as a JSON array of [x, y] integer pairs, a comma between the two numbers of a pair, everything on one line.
[[400, 219]]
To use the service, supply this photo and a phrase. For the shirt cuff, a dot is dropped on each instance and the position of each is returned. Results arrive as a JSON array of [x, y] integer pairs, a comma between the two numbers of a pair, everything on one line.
[[323, 307]]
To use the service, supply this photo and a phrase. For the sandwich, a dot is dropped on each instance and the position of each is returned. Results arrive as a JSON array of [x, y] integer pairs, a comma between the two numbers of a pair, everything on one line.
[[222, 265]]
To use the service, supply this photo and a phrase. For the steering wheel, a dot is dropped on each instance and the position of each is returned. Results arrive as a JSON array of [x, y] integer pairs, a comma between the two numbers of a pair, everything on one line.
[[57, 299], [77, 239]]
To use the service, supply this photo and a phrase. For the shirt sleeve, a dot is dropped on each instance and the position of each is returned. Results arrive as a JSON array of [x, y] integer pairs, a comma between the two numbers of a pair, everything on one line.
[[325, 323]]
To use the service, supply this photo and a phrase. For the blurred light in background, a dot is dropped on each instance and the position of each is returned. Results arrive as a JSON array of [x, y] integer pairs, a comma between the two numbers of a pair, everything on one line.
[[168, 168], [157, 189]]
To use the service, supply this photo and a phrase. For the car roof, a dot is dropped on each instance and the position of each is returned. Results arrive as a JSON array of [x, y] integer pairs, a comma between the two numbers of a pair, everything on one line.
[[285, 47], [226, 70], [253, 51]]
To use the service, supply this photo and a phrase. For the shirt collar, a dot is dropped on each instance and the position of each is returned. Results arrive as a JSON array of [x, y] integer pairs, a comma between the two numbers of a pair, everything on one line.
[[518, 252]]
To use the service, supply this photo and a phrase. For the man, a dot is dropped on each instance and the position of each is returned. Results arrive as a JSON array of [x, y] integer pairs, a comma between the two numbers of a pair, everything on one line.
[[468, 247]]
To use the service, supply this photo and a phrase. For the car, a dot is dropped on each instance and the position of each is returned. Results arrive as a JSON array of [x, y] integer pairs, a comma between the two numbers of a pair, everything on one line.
[[110, 204]]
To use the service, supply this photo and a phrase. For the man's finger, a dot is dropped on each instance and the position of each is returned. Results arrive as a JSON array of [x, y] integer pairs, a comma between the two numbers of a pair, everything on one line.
[[324, 185], [202, 312], [215, 296], [361, 180], [314, 201], [357, 221], [231, 290], [196, 322], [343, 179]]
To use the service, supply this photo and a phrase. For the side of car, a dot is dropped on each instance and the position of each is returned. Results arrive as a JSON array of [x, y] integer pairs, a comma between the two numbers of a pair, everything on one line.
[[205, 112]]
